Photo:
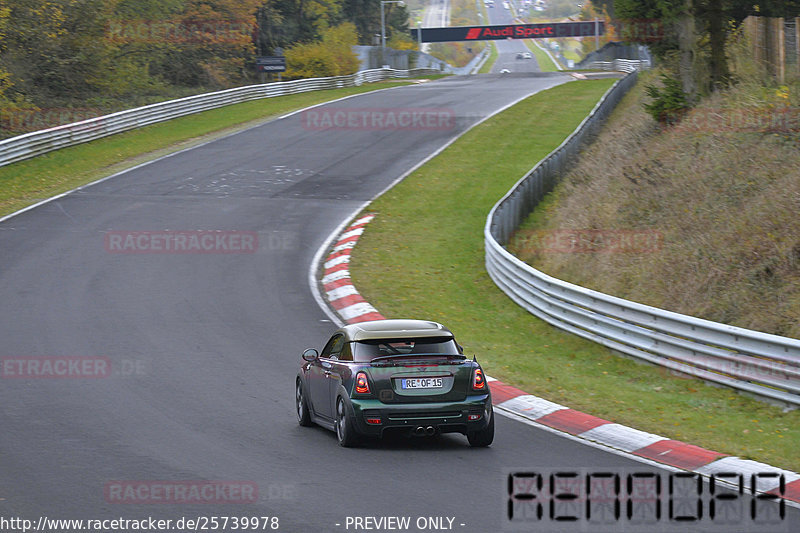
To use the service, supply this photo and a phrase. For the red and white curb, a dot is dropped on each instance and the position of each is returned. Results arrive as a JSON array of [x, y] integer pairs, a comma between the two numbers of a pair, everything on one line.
[[339, 289], [640, 443], [348, 303]]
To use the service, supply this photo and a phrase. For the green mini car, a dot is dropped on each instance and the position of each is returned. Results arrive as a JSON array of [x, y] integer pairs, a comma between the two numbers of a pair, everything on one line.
[[394, 375]]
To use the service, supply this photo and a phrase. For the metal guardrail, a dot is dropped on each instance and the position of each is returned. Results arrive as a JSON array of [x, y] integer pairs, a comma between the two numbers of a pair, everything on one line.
[[758, 363], [40, 142], [616, 50], [619, 65], [484, 55]]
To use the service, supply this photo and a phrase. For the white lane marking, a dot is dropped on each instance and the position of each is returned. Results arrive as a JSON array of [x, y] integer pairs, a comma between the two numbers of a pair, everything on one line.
[[233, 134], [345, 223], [314, 266], [625, 438], [500, 409], [312, 277]]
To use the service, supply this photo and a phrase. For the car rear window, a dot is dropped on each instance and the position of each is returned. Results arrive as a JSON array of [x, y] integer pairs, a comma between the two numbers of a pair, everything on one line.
[[370, 349]]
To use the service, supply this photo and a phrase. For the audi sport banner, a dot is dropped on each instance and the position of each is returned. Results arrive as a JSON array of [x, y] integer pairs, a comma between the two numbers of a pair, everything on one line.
[[509, 31]]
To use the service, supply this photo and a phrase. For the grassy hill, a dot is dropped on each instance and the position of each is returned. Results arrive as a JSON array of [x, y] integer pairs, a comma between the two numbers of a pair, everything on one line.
[[722, 192]]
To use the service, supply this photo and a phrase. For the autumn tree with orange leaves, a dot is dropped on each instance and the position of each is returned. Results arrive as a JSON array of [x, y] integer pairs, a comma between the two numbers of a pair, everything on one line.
[[113, 54]]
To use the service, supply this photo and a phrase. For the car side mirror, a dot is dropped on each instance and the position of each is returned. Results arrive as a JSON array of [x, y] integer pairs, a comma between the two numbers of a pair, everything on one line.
[[310, 355]]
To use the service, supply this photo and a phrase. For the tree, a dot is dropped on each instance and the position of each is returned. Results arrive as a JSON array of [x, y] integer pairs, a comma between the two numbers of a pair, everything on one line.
[[5, 78], [366, 15], [697, 31], [188, 42], [304, 20], [396, 20], [271, 32], [401, 41], [331, 56], [55, 48], [119, 52]]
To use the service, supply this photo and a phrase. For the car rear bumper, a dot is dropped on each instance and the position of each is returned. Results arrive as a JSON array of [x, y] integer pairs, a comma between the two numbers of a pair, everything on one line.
[[445, 417]]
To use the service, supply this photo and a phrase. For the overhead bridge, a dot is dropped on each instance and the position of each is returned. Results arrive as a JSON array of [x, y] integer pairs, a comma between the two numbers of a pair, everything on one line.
[[509, 31]]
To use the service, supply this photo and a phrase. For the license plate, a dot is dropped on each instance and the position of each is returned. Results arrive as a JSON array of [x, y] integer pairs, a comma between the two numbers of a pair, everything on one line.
[[421, 383]]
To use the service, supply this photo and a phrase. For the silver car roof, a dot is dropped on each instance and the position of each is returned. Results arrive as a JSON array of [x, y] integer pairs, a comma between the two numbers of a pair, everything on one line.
[[394, 329]]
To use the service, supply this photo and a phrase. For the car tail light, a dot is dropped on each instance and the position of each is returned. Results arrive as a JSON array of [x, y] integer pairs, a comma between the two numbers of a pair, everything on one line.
[[374, 420], [362, 385], [478, 381], [472, 418]]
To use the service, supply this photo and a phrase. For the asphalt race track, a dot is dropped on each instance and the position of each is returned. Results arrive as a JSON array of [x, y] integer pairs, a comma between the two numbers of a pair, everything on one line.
[[437, 14], [508, 49], [203, 347]]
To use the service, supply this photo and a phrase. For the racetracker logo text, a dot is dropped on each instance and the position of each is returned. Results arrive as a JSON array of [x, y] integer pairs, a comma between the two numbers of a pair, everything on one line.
[[55, 367], [225, 32], [40, 119], [744, 120], [374, 119], [639, 30], [181, 242], [182, 492], [585, 241]]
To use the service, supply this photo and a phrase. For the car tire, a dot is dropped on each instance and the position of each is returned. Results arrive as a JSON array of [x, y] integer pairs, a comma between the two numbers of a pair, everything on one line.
[[484, 437], [345, 433], [303, 415]]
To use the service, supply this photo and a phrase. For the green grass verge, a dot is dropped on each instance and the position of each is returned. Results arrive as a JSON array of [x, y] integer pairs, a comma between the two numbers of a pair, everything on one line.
[[27, 182], [487, 66], [545, 63], [435, 76], [422, 257]]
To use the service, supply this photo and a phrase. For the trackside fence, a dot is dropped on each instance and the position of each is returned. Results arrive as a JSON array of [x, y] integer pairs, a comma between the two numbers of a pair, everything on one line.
[[619, 65], [758, 363], [40, 142]]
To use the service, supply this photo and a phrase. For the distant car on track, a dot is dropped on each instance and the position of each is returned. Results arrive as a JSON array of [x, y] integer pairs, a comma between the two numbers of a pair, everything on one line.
[[527, 55], [407, 376], [520, 55]]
